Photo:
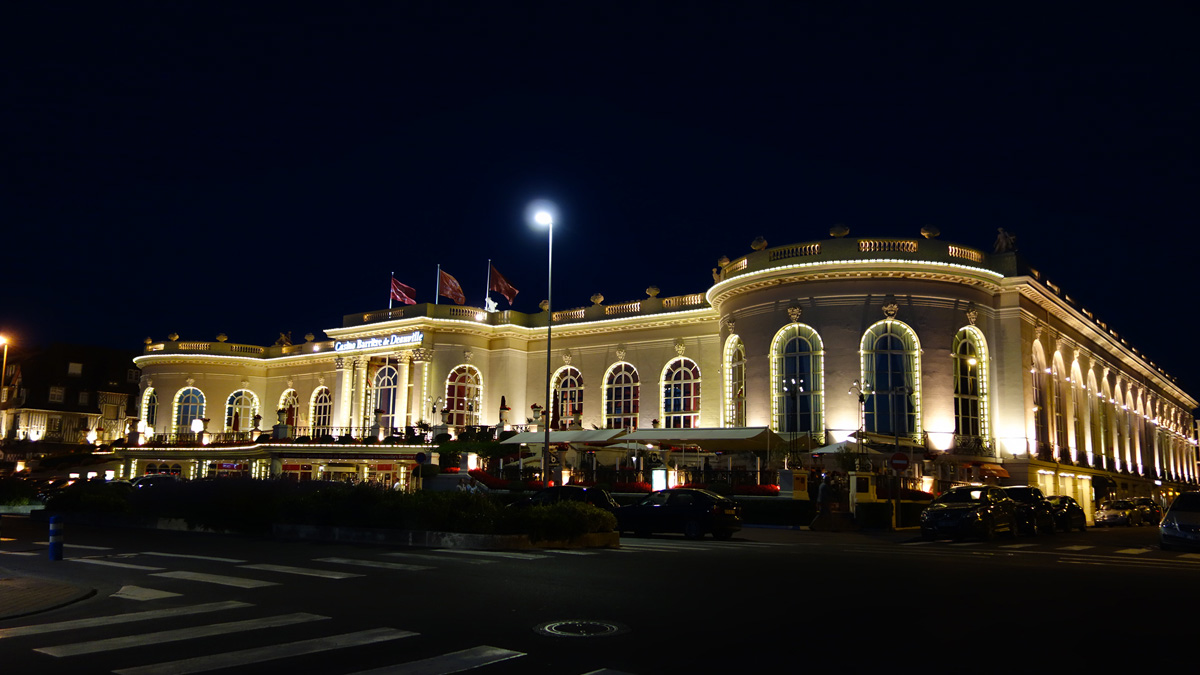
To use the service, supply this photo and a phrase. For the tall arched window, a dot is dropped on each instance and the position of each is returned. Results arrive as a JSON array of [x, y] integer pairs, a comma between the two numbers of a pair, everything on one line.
[[1060, 404], [240, 409], [189, 405], [891, 369], [681, 394], [1041, 413], [150, 408], [1119, 437], [464, 396], [386, 391], [969, 350], [621, 394], [1096, 417], [289, 403], [797, 369], [1079, 414], [735, 385], [1107, 443], [322, 412], [568, 397]]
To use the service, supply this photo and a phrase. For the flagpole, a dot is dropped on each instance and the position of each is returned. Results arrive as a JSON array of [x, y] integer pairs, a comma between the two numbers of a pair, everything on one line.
[[437, 288], [390, 293], [488, 287]]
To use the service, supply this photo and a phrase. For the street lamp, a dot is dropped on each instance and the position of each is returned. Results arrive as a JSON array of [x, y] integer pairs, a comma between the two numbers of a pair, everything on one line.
[[859, 389], [543, 216], [4, 369], [792, 388]]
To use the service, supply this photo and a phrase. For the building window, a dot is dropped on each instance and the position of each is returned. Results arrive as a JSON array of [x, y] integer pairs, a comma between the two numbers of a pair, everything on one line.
[[1060, 405], [322, 412], [189, 405], [681, 394], [75, 369], [621, 394], [568, 397], [133, 375], [735, 367], [970, 384], [289, 403], [150, 408], [1079, 410], [54, 425], [386, 393], [83, 398], [464, 396], [1100, 429], [891, 370], [797, 362], [240, 409], [57, 394], [1041, 415]]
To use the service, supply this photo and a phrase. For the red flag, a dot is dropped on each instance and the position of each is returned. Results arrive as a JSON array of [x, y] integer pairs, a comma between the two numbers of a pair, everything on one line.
[[501, 286], [448, 288], [402, 293]]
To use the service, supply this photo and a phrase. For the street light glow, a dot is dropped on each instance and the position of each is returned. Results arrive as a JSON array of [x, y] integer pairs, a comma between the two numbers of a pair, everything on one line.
[[543, 218]]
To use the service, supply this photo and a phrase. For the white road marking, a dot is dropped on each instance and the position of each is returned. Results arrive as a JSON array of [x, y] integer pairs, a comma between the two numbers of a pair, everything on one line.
[[494, 554], [454, 662], [917, 543], [438, 558], [192, 557], [66, 545], [238, 582], [1017, 545], [139, 593], [1190, 556], [19, 553], [1132, 551], [305, 571], [150, 615], [162, 637], [375, 563], [113, 563], [201, 664], [570, 551], [966, 543], [1074, 548]]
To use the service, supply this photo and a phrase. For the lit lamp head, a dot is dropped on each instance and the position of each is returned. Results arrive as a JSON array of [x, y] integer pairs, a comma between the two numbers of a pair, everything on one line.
[[197, 425]]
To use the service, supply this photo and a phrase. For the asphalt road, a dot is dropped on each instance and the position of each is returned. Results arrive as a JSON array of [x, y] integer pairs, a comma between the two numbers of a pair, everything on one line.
[[769, 599]]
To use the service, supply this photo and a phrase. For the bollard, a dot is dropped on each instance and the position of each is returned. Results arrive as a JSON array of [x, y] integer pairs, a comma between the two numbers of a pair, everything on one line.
[[55, 549]]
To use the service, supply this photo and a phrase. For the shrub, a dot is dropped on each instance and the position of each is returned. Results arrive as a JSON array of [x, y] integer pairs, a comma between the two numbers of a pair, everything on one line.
[[560, 521], [95, 496], [17, 492]]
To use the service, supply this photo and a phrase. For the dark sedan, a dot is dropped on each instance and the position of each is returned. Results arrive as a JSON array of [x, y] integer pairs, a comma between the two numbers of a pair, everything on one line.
[[977, 510], [1068, 514], [1034, 514], [598, 497], [693, 512]]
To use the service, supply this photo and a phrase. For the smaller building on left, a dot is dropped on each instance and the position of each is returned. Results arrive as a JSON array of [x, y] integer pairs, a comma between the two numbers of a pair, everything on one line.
[[63, 400]]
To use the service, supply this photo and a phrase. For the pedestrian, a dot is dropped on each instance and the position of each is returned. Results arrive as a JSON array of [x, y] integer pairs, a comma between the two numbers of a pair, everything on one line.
[[825, 495]]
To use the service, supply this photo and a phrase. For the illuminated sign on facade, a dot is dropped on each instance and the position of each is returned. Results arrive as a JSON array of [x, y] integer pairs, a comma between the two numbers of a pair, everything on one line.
[[393, 340]]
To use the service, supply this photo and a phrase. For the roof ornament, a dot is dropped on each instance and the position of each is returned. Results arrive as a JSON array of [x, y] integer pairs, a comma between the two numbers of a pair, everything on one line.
[[839, 231], [758, 244], [794, 311], [890, 308], [1005, 242]]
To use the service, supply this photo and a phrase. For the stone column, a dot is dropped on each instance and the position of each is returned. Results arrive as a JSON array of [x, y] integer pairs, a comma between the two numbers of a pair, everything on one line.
[[359, 404], [420, 373], [402, 371], [342, 393]]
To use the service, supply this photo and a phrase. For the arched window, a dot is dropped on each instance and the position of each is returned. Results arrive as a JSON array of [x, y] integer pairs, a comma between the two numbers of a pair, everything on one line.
[[621, 394], [289, 403], [891, 370], [970, 384], [1119, 437], [681, 394], [150, 408], [1096, 417], [240, 409], [1079, 414], [568, 397], [386, 385], [189, 405], [322, 412], [797, 365], [735, 385], [1060, 404], [1041, 413], [464, 396]]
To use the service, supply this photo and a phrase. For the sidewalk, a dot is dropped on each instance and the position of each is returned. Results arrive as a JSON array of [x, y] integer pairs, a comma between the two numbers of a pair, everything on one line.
[[21, 596]]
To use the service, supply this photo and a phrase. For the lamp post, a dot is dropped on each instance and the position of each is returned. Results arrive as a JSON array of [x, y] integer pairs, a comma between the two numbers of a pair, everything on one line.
[[860, 390], [545, 218], [792, 388], [901, 390], [3, 370]]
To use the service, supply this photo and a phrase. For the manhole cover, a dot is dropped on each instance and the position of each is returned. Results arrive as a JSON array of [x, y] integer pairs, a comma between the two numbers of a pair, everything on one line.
[[580, 628]]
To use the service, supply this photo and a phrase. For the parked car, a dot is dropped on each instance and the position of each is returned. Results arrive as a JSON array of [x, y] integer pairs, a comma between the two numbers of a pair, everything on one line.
[[1180, 526], [598, 497], [976, 510], [691, 511], [1068, 514], [156, 480], [1118, 512], [1150, 508], [1034, 513]]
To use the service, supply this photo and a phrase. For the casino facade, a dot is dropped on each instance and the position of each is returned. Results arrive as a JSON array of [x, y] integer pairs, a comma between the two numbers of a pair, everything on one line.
[[975, 358]]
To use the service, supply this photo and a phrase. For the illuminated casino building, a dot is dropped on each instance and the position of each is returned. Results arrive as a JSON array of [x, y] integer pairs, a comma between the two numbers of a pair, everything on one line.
[[976, 359]]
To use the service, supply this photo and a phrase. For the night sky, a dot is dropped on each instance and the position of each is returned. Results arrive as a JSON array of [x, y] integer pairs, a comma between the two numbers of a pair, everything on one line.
[[205, 167]]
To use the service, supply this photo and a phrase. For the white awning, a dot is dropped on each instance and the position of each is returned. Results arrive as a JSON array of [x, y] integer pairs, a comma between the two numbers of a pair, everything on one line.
[[601, 436], [731, 439]]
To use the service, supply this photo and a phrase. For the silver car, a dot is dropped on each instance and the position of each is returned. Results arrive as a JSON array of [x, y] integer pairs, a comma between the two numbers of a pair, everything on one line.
[[1118, 512]]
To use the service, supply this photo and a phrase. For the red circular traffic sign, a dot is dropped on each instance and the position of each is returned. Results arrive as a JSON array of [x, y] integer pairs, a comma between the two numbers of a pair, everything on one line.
[[899, 461]]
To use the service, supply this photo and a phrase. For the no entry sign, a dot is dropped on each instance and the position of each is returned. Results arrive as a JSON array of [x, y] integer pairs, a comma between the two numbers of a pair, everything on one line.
[[899, 461]]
